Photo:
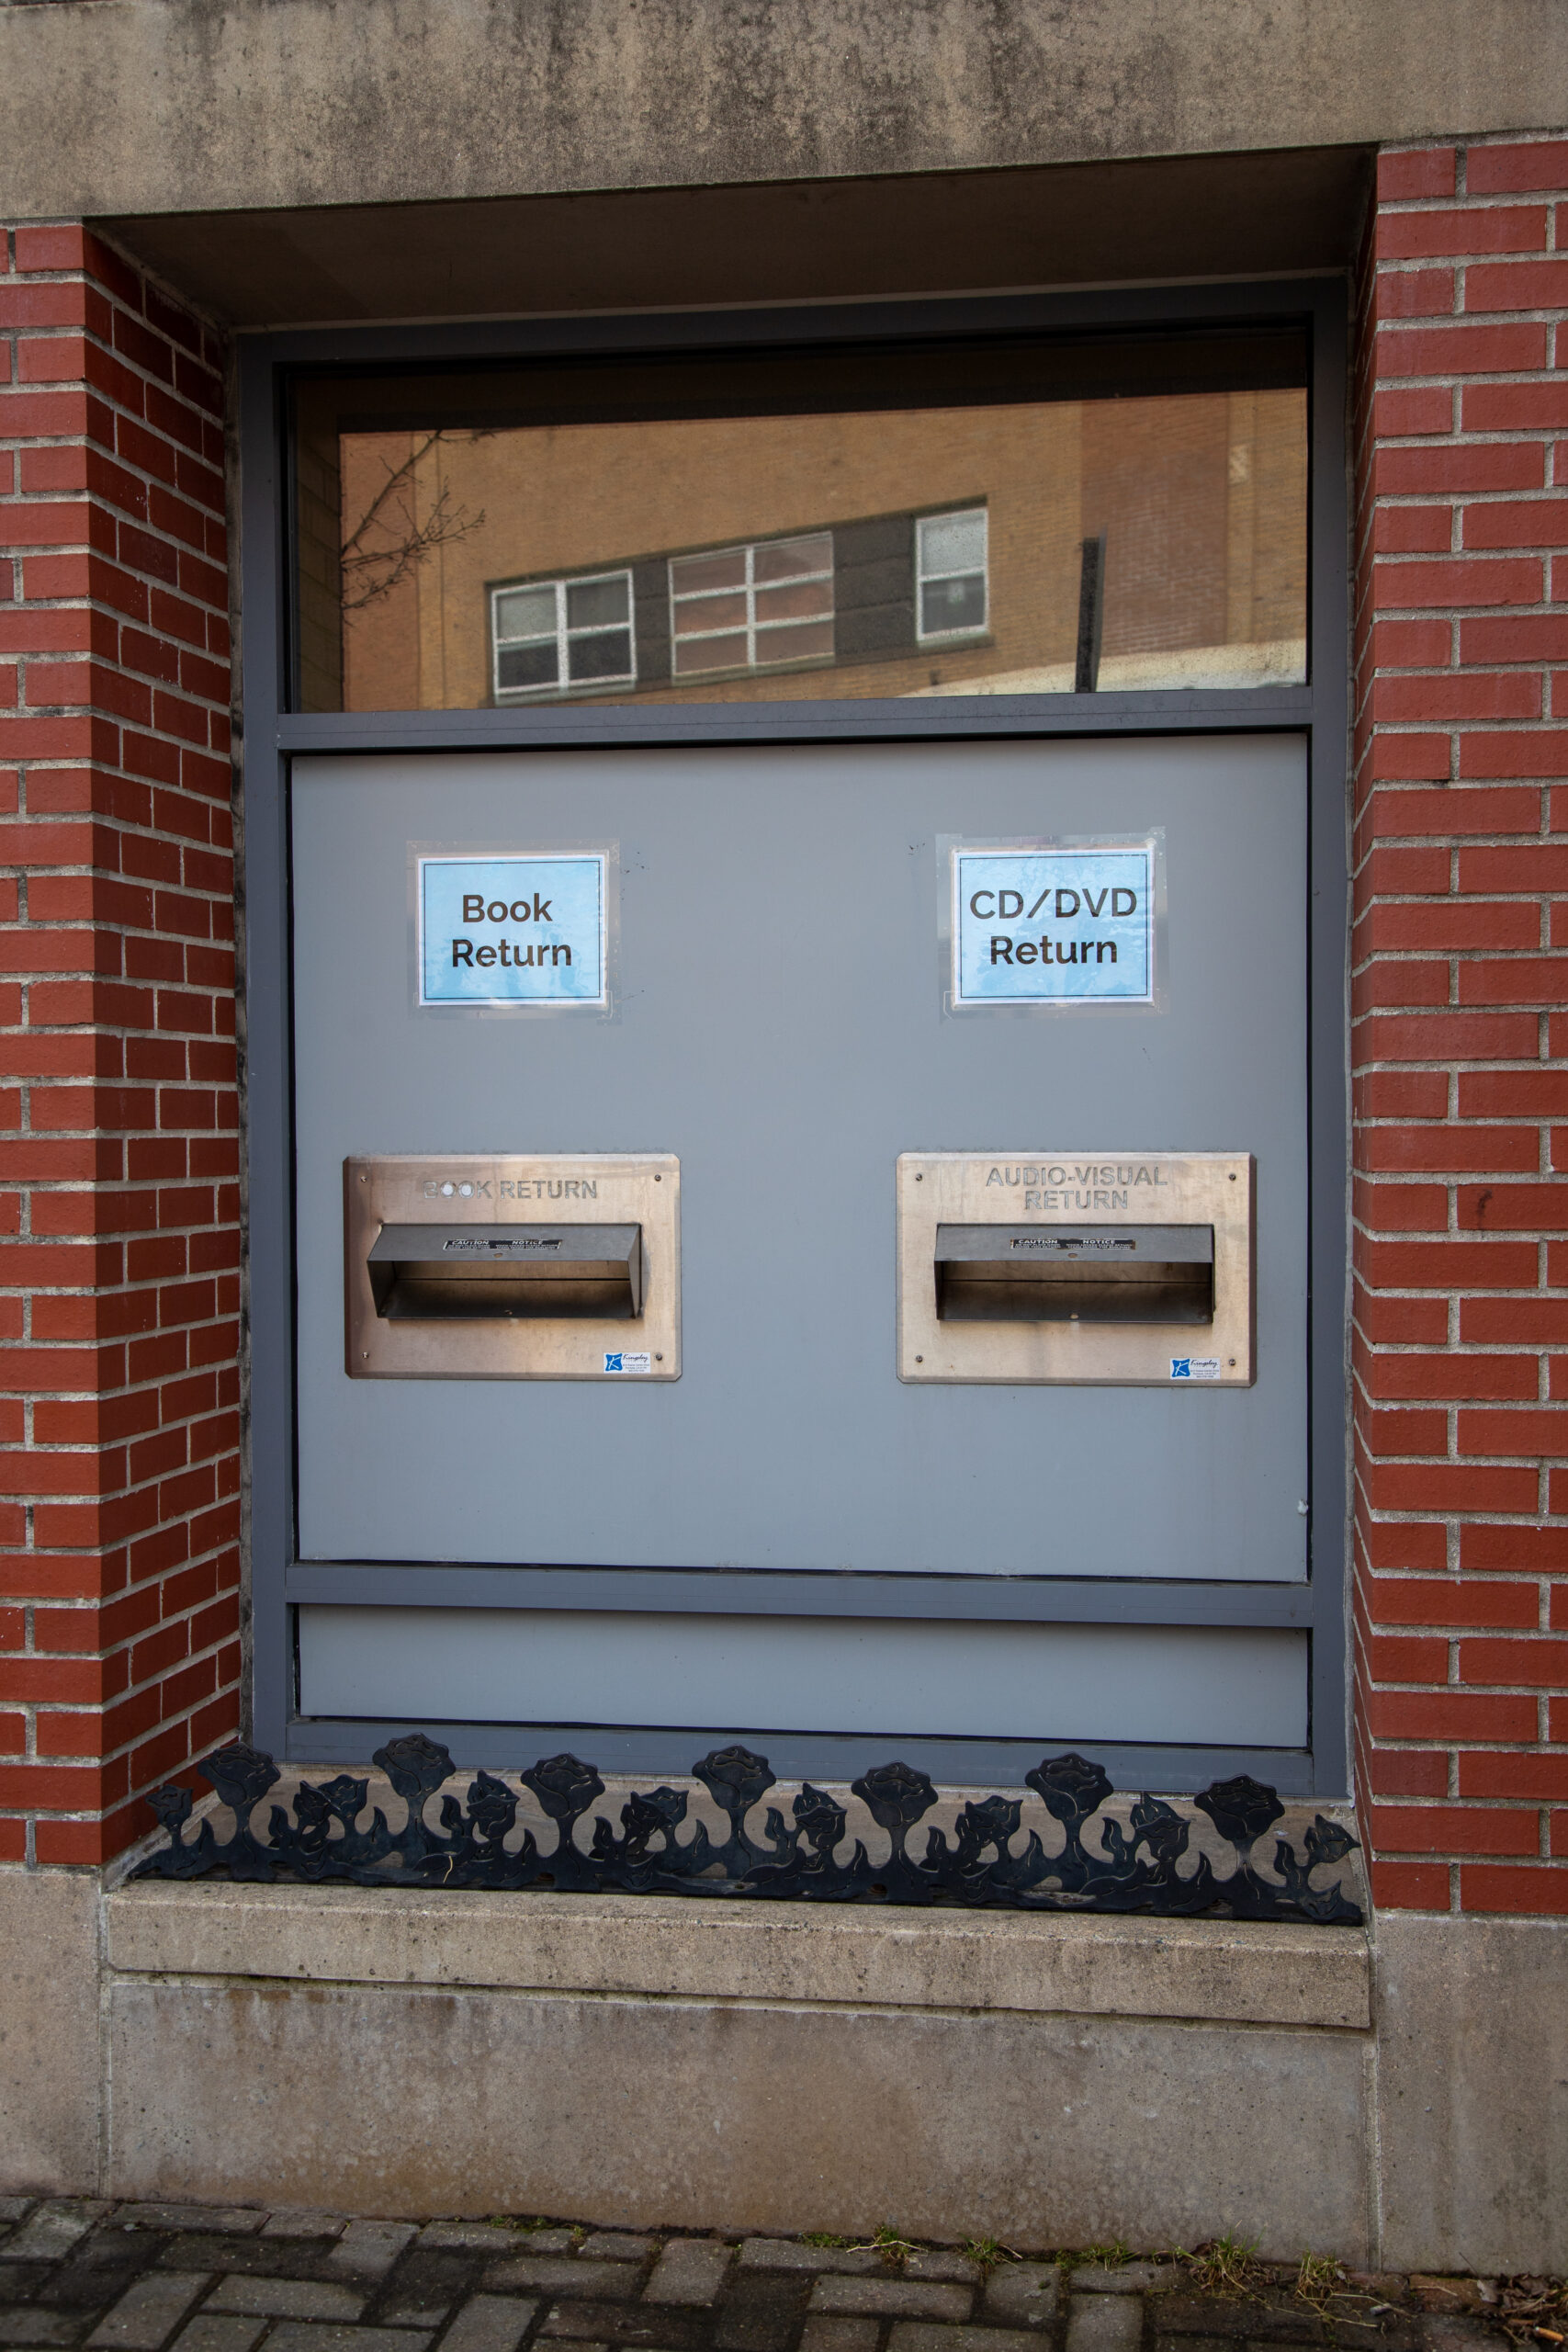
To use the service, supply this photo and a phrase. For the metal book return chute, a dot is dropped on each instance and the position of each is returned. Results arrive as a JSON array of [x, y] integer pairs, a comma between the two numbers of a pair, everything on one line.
[[505, 1267], [455, 1272], [1100, 1274]]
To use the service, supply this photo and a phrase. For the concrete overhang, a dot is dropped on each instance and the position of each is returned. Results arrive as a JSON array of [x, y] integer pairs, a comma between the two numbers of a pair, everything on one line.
[[138, 106]]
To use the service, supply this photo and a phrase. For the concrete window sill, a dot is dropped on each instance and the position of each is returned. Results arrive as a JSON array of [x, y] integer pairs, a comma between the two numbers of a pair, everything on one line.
[[682, 1948]]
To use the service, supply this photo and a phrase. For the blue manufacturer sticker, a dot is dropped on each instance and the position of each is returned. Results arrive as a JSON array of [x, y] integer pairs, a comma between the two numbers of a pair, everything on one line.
[[1053, 926], [1194, 1367], [623, 1360], [509, 930]]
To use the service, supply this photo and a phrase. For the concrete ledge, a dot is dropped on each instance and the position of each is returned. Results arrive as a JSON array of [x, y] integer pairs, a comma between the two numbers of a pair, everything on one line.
[[191, 106], [682, 1946]]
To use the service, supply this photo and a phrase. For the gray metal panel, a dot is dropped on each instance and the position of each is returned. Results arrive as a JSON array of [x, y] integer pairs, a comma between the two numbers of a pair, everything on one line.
[[1042, 1601], [782, 1031], [1052, 1684], [331, 1741]]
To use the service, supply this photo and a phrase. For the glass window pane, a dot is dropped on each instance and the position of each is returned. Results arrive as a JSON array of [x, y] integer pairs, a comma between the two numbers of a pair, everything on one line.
[[948, 604], [690, 574], [525, 665], [710, 653], [799, 600], [802, 642], [605, 655], [525, 612], [922, 508], [703, 614], [787, 559], [591, 603], [952, 543]]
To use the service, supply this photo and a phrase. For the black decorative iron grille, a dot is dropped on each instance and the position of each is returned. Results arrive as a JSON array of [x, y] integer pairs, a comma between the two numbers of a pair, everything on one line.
[[1148, 1865]]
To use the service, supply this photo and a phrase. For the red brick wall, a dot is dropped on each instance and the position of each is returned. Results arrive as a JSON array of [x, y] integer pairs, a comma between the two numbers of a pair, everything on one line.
[[118, 1201], [118, 1216], [1460, 1336]]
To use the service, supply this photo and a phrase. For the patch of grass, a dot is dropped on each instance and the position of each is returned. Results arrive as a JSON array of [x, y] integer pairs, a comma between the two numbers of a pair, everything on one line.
[[1108, 2257], [1319, 2279], [823, 2238], [1225, 2266], [985, 2253], [895, 2250]]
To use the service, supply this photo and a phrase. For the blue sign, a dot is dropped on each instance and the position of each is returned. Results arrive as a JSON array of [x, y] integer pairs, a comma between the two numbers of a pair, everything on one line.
[[1053, 926], [511, 931]]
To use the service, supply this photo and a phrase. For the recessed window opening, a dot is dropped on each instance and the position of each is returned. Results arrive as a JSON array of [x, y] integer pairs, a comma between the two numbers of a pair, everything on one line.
[[553, 635], [746, 608]]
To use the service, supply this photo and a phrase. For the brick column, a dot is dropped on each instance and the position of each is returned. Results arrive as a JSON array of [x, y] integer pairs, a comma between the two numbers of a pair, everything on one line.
[[1460, 1333], [118, 1173]]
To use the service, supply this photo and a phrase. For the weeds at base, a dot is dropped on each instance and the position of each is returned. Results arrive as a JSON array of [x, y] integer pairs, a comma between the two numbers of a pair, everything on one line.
[[1226, 2266], [895, 2250], [1318, 2281], [986, 2252]]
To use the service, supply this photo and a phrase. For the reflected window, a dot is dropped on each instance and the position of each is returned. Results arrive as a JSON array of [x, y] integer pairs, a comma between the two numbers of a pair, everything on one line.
[[881, 521], [550, 635], [750, 608], [951, 573]]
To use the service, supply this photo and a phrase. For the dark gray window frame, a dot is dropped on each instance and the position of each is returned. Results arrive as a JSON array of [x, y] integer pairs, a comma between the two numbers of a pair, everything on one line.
[[273, 735]]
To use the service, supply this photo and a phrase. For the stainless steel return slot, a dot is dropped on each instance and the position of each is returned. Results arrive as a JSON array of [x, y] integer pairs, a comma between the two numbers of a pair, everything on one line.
[[474, 1273], [1088, 1273]]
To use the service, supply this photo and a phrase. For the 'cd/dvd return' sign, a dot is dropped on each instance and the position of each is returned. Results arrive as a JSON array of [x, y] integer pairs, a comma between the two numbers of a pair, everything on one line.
[[511, 931], [1057, 924]]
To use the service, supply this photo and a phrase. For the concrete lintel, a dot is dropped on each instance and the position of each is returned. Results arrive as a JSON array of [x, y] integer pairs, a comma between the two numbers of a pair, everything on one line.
[[172, 106], [772, 1952]]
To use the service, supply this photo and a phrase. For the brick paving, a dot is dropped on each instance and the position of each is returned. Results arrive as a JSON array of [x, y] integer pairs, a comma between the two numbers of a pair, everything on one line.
[[217, 2278]]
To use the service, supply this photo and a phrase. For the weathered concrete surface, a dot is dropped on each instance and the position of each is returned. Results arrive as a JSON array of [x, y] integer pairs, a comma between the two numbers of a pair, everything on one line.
[[160, 106], [665, 1945], [1473, 2092], [50, 2053], [708, 2115]]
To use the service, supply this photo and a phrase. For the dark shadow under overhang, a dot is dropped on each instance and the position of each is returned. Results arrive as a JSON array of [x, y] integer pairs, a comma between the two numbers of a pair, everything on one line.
[[1180, 217]]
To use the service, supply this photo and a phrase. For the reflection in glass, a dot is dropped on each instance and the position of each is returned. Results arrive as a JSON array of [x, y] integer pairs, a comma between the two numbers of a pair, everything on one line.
[[575, 632], [903, 551], [951, 562]]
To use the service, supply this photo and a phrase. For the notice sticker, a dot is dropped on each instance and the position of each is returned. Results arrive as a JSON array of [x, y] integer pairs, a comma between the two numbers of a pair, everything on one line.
[[1053, 925], [510, 930], [1194, 1367], [623, 1360]]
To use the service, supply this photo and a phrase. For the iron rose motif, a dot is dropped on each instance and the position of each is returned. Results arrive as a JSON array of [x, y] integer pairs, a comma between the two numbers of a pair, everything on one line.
[[734, 1778], [1240, 1810], [819, 1819], [492, 1807], [564, 1785], [1069, 1788], [241, 1775], [895, 1795], [415, 1767], [795, 1860]]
